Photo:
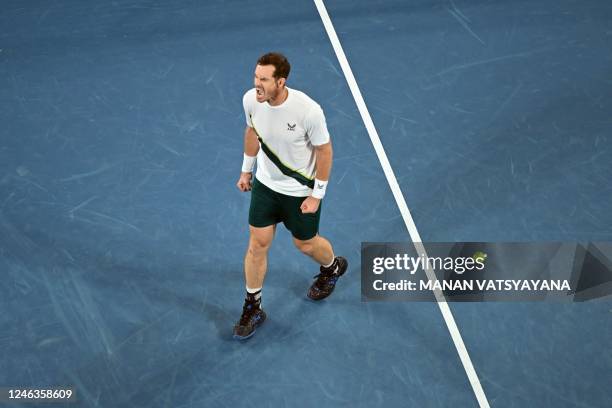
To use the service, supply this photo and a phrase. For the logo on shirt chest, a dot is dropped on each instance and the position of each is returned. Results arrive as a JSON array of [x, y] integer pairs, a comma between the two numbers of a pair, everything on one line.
[[291, 127]]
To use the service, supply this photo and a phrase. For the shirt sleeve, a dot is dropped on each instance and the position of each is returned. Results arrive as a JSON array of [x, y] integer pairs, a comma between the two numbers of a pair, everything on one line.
[[316, 126], [247, 103]]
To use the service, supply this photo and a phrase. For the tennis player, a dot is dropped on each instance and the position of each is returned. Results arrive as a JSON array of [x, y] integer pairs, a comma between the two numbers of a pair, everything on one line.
[[287, 136]]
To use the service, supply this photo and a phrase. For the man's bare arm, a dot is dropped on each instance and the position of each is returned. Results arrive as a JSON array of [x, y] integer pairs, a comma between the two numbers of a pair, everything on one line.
[[251, 144], [324, 154], [251, 148]]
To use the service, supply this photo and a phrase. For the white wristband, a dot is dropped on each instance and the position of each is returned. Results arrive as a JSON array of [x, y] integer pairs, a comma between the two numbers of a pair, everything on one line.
[[319, 189], [248, 162]]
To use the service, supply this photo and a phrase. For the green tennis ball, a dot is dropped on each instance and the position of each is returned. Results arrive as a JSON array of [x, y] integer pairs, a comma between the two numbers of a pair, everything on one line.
[[479, 256]]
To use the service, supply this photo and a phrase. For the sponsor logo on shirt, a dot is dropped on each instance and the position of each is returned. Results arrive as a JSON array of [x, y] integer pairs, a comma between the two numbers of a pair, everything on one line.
[[291, 127]]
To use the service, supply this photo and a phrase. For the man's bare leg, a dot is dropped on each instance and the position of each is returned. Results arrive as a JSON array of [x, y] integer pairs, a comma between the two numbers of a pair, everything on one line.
[[332, 267], [256, 258], [318, 248], [255, 265]]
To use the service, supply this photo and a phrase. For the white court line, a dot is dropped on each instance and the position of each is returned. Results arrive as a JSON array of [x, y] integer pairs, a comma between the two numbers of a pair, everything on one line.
[[401, 203]]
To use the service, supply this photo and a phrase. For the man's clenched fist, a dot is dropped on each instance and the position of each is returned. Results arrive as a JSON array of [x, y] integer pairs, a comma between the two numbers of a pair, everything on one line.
[[244, 182], [310, 205]]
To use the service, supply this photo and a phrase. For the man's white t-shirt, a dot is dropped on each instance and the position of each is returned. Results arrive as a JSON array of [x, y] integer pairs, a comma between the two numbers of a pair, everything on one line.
[[289, 133]]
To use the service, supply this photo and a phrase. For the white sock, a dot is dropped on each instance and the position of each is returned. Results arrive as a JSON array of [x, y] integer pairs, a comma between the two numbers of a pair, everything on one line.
[[331, 263]]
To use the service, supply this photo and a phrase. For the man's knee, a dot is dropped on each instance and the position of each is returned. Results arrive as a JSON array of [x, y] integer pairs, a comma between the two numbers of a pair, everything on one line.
[[306, 247], [259, 244]]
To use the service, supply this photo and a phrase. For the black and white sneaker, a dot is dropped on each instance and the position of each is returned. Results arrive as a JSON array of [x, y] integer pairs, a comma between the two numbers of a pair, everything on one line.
[[326, 280], [252, 317]]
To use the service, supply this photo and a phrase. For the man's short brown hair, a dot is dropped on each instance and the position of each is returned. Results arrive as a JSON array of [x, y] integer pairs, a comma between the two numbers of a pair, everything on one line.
[[281, 65]]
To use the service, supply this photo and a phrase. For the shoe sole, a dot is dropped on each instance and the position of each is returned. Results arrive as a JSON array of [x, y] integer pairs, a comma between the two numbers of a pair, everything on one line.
[[241, 338], [332, 291]]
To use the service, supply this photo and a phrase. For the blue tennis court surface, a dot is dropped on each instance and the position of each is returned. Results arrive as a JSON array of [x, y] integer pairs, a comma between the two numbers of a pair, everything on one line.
[[122, 232]]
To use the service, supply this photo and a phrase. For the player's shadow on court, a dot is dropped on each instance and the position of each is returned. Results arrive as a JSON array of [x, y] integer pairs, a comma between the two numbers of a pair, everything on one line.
[[299, 287], [221, 318]]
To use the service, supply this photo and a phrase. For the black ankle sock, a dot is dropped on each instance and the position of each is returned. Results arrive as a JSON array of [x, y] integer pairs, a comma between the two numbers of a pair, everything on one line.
[[253, 298]]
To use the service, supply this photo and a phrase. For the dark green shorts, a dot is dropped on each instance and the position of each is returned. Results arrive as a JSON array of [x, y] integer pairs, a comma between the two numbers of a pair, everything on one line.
[[269, 207]]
